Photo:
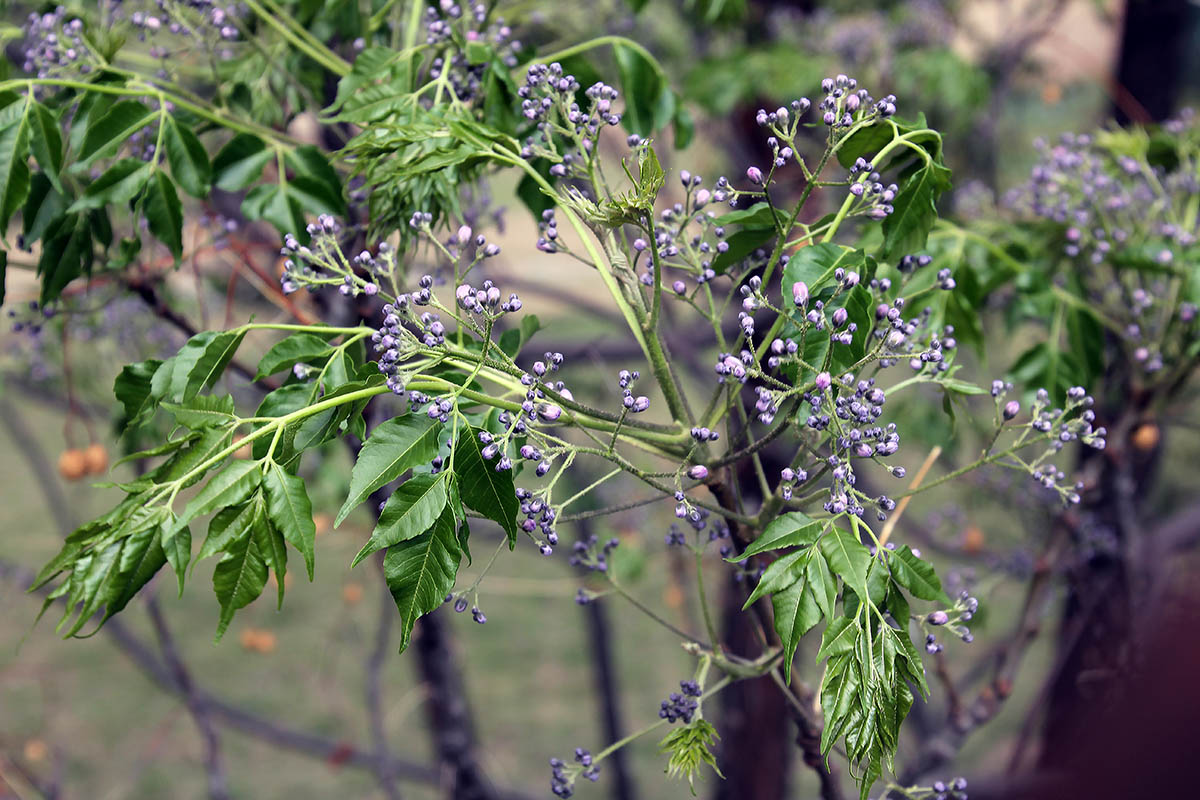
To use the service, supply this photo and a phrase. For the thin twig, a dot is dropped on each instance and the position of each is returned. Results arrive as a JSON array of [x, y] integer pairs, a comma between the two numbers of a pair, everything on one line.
[[214, 765], [894, 517], [374, 691]]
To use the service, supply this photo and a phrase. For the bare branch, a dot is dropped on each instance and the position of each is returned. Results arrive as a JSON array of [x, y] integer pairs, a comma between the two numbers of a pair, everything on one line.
[[214, 765]]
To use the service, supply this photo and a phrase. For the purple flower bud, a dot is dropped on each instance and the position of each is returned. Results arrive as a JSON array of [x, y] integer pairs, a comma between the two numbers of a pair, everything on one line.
[[839, 317], [1011, 409], [800, 294], [680, 287], [938, 618], [754, 175], [698, 472], [823, 381], [464, 234], [639, 244]]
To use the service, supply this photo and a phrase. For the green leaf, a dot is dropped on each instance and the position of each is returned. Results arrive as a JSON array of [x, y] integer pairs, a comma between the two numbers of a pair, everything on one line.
[[141, 559], [394, 447], [690, 747], [277, 205], [14, 170], [796, 613], [201, 361], [778, 575], [792, 529], [239, 578], [164, 212], [649, 101], [420, 571], [132, 388], [228, 487], [514, 339], [93, 580], [44, 209], [824, 585], [848, 558], [815, 265], [110, 130], [46, 143], [239, 164], [915, 575], [188, 159], [290, 511], [316, 179], [839, 689], [203, 411], [207, 445], [758, 215], [119, 184], [299, 348], [489, 491], [409, 512], [914, 210], [228, 525], [273, 548], [838, 638], [66, 255], [861, 312], [322, 426], [175, 539]]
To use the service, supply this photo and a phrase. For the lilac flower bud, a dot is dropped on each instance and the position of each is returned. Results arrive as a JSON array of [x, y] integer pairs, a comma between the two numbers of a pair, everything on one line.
[[938, 618], [640, 404], [698, 472], [754, 175], [839, 317], [800, 294], [787, 474], [680, 287], [464, 234], [702, 198], [549, 412], [639, 244], [823, 381], [1011, 409]]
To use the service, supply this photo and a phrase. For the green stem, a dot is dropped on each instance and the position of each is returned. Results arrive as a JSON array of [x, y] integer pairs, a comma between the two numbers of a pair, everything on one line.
[[301, 39], [713, 640]]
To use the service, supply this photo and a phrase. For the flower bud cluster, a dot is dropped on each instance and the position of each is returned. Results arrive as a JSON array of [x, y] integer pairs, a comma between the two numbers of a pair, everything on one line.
[[563, 775], [451, 26], [539, 518], [591, 554], [54, 45], [1119, 207], [485, 300], [965, 606], [681, 706]]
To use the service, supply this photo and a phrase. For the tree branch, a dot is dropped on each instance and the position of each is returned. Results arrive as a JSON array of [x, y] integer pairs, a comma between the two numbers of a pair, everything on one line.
[[214, 766]]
